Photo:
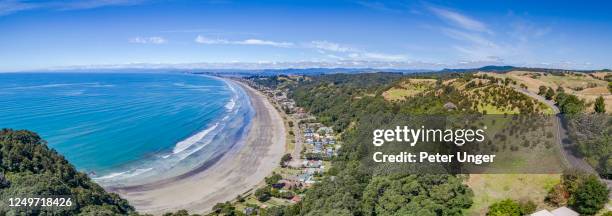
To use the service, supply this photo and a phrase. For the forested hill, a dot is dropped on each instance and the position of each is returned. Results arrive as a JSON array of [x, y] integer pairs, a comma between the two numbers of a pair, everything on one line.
[[352, 103], [29, 168]]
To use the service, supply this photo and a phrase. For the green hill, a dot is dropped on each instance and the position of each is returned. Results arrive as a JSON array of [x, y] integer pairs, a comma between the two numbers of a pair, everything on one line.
[[31, 169]]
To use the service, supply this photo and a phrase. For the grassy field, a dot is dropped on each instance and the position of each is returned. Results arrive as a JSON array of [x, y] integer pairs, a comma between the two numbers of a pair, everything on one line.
[[408, 88], [582, 85], [490, 188]]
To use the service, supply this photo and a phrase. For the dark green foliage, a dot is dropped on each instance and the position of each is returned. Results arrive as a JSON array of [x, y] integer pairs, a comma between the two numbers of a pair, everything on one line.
[[31, 168], [273, 179], [590, 196], [585, 193], [569, 104], [285, 159], [593, 136], [560, 89], [510, 207], [280, 211], [550, 93], [263, 194], [506, 207], [600, 105], [416, 195], [542, 90], [341, 100], [223, 209]]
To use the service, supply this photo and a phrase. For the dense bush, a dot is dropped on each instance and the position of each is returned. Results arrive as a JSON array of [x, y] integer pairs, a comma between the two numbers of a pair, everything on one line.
[[32, 169], [506, 207], [590, 196]]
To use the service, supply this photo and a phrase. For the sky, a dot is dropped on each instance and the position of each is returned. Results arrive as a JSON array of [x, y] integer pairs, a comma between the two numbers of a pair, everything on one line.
[[38, 35]]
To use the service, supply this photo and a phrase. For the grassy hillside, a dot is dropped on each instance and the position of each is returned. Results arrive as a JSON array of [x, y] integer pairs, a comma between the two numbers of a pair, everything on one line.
[[353, 103], [587, 86]]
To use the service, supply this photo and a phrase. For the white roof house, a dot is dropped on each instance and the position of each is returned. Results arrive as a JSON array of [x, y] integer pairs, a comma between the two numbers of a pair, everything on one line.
[[542, 213], [562, 211]]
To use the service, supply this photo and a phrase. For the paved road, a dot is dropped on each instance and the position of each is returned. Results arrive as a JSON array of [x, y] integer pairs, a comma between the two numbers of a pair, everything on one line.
[[296, 160], [563, 140]]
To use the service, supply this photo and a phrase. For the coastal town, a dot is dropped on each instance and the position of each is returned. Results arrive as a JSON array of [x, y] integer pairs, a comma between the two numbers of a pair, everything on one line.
[[310, 148]]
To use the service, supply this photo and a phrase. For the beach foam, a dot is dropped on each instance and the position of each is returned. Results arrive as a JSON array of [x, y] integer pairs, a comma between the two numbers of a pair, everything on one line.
[[182, 145]]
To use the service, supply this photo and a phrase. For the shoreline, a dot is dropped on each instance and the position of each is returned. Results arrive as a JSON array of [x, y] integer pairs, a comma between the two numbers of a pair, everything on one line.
[[235, 172]]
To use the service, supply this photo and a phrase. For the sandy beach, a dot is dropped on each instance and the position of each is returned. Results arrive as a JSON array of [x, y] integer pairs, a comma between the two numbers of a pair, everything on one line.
[[234, 173]]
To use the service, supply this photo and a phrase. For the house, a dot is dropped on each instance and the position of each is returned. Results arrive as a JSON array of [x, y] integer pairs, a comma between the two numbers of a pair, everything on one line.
[[562, 211], [249, 211], [312, 163], [306, 178], [291, 184], [326, 130], [329, 152]]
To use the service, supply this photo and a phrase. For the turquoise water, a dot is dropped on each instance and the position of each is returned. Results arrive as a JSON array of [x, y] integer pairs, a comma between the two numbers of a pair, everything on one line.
[[128, 128]]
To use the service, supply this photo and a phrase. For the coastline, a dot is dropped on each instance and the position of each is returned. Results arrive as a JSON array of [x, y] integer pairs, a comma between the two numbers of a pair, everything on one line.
[[236, 172]]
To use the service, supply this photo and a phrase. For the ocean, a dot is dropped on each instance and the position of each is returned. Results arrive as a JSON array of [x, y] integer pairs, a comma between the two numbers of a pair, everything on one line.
[[128, 128]]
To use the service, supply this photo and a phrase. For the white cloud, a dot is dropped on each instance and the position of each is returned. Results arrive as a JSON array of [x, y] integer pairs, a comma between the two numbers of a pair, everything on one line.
[[329, 46], [383, 56], [378, 6], [460, 20], [205, 40], [327, 49], [148, 40], [351, 52], [12, 6], [264, 42]]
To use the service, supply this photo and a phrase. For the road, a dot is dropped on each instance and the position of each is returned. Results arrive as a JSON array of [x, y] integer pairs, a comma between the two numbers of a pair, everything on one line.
[[563, 140]]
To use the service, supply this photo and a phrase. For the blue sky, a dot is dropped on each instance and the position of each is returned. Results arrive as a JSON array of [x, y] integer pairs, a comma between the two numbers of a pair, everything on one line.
[[277, 34]]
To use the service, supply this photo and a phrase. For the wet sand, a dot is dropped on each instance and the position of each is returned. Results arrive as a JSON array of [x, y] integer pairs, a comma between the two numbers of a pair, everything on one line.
[[234, 173]]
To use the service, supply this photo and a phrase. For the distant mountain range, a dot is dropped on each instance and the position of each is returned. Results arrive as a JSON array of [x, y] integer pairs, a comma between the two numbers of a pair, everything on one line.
[[311, 71], [318, 71]]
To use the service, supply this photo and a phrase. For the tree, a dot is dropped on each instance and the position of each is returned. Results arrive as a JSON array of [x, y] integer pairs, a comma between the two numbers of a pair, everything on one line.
[[560, 89], [225, 208], [30, 166], [610, 87], [600, 105], [505, 207], [263, 194], [273, 179], [558, 195], [569, 104], [550, 93], [181, 212], [286, 158], [542, 90], [590, 196]]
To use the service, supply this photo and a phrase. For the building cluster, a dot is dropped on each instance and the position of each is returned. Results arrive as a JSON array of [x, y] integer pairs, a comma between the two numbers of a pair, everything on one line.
[[319, 142], [322, 139]]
